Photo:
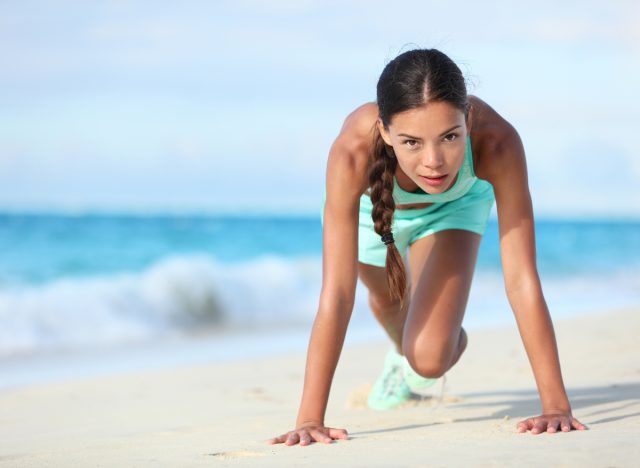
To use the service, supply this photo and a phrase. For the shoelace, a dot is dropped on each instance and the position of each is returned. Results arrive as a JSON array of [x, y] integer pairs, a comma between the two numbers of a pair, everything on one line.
[[393, 380]]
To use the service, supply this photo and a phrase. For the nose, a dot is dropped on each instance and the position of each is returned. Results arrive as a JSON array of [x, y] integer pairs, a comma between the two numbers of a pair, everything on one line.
[[432, 159]]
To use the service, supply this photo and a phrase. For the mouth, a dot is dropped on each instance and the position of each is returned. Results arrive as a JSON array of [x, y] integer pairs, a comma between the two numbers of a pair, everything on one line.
[[434, 181]]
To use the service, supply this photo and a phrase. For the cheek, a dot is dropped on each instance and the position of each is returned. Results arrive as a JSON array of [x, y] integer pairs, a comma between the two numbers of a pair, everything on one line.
[[405, 164], [455, 159]]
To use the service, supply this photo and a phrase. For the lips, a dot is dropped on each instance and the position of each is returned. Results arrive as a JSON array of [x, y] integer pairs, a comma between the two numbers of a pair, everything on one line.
[[434, 181]]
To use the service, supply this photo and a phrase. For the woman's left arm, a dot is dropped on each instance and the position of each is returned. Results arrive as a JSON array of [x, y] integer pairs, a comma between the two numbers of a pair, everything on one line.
[[505, 168]]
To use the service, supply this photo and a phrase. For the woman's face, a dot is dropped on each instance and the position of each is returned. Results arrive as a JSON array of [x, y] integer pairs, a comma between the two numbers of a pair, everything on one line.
[[430, 143]]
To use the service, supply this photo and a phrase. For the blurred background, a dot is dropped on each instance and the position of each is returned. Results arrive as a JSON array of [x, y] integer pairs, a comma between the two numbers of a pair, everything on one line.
[[162, 165]]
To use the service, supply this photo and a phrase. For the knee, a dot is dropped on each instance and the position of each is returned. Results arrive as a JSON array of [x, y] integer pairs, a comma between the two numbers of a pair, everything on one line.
[[427, 367], [433, 361], [429, 362]]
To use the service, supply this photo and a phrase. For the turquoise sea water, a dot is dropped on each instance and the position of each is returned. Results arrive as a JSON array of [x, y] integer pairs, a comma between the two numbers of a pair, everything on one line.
[[75, 283]]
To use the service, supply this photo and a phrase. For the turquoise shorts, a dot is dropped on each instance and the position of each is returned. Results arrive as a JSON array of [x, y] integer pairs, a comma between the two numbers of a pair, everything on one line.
[[469, 213]]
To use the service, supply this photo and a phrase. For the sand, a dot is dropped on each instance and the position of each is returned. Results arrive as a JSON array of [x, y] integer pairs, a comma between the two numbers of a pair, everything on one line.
[[222, 414]]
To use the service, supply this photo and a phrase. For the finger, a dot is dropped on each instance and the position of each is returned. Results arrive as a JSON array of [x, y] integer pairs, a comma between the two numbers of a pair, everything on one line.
[[278, 440], [338, 433], [538, 427], [552, 426], [305, 438], [320, 436], [524, 426], [578, 425], [565, 424], [292, 439]]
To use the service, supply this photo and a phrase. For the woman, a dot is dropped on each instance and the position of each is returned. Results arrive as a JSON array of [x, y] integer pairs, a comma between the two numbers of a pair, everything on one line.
[[419, 170]]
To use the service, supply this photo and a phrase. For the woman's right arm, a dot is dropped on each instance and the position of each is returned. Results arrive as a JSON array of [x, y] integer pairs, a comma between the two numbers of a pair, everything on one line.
[[346, 180]]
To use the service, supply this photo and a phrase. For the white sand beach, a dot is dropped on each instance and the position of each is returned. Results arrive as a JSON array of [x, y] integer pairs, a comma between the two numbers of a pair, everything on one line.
[[223, 414]]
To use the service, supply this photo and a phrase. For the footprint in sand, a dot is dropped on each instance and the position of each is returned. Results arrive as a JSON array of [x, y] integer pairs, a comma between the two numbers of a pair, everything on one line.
[[236, 454]]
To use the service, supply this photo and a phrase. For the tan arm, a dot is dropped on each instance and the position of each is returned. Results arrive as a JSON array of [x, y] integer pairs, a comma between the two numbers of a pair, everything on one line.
[[346, 180], [506, 170]]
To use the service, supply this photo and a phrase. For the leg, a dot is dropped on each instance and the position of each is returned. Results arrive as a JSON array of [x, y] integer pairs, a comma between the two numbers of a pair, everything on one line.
[[441, 270], [390, 388], [385, 310]]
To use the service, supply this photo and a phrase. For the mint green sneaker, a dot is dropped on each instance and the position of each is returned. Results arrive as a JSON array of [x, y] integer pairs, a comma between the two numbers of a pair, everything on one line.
[[390, 389], [414, 380]]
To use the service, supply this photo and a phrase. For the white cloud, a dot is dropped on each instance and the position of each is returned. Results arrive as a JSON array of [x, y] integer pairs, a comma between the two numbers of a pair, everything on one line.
[[596, 22], [221, 87]]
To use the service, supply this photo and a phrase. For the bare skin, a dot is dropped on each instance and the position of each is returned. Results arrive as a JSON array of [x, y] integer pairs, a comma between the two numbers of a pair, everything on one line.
[[440, 266], [440, 273]]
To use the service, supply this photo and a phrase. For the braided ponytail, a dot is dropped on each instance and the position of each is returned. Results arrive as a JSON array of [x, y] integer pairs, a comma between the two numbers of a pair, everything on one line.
[[381, 173], [413, 79]]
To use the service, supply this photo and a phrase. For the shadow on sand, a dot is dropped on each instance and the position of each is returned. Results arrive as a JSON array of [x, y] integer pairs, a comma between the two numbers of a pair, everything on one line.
[[520, 404]]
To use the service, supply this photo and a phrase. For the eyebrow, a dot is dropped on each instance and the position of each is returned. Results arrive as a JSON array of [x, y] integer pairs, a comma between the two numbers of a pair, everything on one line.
[[418, 138]]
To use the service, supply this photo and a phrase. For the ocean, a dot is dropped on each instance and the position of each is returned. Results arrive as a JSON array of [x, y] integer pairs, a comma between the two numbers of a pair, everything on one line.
[[189, 288]]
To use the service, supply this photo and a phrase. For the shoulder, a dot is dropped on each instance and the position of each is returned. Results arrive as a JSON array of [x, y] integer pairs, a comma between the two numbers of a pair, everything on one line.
[[496, 143], [502, 163], [357, 130], [349, 154]]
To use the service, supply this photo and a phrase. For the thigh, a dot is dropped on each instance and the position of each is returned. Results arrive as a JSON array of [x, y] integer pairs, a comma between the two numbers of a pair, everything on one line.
[[441, 270]]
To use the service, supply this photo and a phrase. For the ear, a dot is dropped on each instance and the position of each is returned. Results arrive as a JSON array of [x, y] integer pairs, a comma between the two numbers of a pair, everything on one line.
[[383, 132]]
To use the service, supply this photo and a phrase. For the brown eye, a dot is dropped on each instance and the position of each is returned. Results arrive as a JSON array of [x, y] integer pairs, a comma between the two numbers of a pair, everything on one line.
[[451, 136], [411, 143]]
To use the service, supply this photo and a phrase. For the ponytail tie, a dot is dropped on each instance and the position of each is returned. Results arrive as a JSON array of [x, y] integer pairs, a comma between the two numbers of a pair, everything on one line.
[[387, 238]]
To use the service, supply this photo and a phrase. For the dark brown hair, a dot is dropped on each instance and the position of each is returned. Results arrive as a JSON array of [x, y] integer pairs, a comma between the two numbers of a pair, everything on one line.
[[413, 79]]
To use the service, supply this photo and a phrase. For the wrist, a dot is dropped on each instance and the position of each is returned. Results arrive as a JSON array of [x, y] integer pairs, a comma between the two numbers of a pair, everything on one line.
[[309, 422], [558, 403], [558, 409]]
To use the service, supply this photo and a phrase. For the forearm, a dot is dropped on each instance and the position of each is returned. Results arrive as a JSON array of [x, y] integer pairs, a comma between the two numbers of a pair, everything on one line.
[[325, 346], [536, 329]]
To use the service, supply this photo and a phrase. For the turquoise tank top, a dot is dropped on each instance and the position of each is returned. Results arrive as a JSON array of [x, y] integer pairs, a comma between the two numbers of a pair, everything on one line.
[[466, 178]]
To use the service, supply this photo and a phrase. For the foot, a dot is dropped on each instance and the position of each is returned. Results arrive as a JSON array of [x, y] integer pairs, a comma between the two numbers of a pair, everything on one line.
[[390, 390]]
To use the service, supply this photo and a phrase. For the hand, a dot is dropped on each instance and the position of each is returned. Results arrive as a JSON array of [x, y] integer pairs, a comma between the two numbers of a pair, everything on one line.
[[550, 422], [306, 434]]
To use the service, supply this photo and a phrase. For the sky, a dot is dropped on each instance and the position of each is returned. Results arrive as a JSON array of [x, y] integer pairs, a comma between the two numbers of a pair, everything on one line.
[[232, 106]]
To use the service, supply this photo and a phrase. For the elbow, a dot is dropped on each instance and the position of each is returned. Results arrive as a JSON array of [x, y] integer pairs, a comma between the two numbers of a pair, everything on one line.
[[337, 300], [523, 286]]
